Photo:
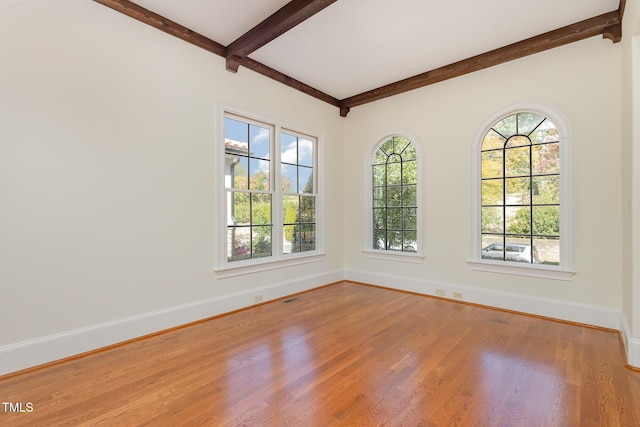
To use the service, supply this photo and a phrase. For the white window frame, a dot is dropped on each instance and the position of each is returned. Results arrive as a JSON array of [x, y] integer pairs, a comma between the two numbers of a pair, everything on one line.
[[565, 270], [224, 267], [398, 256]]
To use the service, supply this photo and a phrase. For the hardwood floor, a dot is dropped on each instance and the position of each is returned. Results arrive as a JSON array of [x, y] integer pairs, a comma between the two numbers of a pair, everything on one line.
[[343, 355]]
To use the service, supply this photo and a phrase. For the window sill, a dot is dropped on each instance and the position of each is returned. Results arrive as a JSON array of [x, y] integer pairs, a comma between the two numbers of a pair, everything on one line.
[[410, 257], [535, 270], [257, 266]]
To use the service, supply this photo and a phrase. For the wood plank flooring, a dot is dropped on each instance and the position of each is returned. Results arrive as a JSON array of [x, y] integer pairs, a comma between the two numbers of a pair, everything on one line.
[[343, 355]]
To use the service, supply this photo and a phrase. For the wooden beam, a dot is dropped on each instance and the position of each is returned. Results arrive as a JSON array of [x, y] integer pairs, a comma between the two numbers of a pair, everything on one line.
[[289, 81], [604, 24], [148, 17], [614, 33], [609, 25], [290, 15]]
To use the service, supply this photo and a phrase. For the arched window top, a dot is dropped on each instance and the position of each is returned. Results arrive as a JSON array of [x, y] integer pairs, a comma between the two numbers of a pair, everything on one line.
[[520, 129], [395, 149], [513, 120], [521, 192]]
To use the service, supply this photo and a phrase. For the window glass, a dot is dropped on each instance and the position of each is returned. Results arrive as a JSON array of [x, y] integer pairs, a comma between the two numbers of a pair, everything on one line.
[[394, 198], [248, 183], [299, 201], [271, 199], [520, 190]]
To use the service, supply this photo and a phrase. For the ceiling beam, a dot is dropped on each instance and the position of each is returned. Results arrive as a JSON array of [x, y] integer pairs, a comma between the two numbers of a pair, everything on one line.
[[623, 4], [606, 24], [609, 25], [289, 81], [148, 17], [614, 33], [290, 15], [141, 14]]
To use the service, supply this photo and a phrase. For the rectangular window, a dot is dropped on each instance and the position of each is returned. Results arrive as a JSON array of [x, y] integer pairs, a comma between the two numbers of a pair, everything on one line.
[[270, 184], [298, 187], [248, 186]]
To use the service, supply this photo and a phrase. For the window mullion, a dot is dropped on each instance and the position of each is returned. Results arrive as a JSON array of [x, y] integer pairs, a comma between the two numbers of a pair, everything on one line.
[[531, 200], [504, 202], [386, 204], [277, 203]]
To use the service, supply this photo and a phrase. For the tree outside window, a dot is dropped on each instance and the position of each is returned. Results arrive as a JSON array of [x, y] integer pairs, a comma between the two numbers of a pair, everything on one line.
[[520, 190], [257, 196], [395, 210]]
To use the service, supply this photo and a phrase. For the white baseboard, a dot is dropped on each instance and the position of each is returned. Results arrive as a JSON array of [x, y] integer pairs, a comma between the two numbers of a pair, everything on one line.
[[34, 352], [562, 310], [631, 344]]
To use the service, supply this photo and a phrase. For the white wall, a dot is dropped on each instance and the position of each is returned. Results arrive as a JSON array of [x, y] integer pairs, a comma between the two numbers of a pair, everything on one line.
[[631, 188], [582, 80], [107, 180]]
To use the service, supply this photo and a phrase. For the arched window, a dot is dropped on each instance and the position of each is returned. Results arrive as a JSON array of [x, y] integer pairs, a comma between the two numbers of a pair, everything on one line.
[[521, 190], [394, 172], [523, 197]]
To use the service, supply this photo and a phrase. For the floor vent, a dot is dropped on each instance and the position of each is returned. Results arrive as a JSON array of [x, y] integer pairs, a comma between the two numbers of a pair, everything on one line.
[[287, 301]]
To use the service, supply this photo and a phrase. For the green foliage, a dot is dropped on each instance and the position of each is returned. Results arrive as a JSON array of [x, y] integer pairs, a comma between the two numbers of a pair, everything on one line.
[[520, 223], [253, 211], [546, 221], [492, 220], [303, 236], [261, 242], [395, 177], [529, 159], [290, 215]]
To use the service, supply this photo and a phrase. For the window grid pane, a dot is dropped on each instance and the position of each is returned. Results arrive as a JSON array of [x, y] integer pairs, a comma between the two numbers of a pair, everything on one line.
[[299, 223], [395, 210], [297, 164], [520, 191], [248, 176], [249, 226], [299, 204], [250, 172]]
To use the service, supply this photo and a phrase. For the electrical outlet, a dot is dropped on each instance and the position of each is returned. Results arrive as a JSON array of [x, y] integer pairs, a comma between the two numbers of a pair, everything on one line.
[[440, 292], [457, 295], [257, 298]]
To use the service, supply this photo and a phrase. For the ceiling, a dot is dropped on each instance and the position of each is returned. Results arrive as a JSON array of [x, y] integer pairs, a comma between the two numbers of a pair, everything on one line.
[[346, 52]]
